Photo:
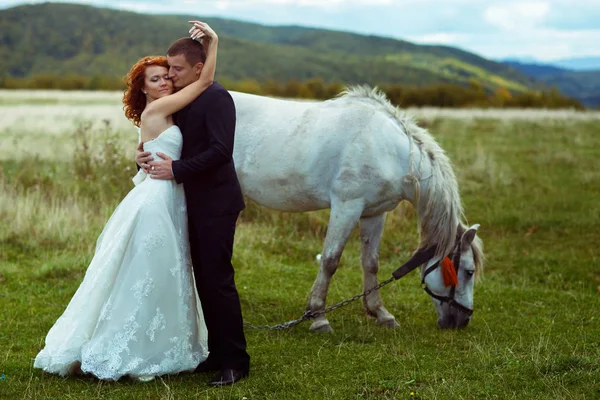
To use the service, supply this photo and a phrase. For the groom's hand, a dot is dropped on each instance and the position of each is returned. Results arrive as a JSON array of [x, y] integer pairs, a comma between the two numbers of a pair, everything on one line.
[[142, 158], [161, 169]]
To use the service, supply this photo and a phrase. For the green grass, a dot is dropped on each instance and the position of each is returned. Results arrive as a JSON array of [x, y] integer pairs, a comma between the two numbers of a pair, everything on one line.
[[533, 186]]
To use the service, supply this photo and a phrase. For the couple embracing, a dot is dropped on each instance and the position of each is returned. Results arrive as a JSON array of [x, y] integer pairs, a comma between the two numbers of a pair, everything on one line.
[[159, 295]]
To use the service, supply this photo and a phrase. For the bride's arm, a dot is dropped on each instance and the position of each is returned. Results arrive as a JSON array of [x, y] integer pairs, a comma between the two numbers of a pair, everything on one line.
[[168, 105]]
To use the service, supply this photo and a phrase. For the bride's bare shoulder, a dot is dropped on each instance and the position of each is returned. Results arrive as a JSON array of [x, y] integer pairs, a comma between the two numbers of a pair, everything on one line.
[[153, 125]]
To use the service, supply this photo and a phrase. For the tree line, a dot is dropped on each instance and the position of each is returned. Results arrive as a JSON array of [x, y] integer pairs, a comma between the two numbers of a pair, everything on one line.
[[434, 95]]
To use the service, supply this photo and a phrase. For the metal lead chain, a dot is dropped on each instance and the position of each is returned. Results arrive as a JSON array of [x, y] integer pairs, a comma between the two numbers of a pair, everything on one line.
[[312, 315]]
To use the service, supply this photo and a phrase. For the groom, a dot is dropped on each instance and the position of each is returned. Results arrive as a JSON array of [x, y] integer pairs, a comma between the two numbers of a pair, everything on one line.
[[214, 201]]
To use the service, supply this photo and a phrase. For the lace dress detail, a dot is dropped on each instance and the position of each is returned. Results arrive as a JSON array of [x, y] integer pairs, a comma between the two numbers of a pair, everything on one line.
[[137, 311]]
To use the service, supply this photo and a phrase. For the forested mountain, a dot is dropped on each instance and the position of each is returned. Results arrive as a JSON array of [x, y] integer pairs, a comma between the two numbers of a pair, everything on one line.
[[62, 39], [534, 69], [581, 85]]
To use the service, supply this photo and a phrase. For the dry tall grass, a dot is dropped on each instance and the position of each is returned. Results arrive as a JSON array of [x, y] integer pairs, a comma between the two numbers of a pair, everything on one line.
[[38, 123]]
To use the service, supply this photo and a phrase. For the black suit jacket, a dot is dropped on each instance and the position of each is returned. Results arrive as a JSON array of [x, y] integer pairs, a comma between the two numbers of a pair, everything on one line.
[[206, 166]]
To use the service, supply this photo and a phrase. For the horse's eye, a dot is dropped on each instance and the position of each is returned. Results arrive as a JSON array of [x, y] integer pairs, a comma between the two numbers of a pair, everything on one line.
[[469, 273]]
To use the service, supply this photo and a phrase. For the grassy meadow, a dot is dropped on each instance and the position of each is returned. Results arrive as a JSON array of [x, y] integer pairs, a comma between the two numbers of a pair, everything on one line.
[[530, 178]]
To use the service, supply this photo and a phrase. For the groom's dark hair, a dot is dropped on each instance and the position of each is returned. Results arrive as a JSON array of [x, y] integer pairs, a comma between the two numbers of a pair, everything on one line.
[[192, 50]]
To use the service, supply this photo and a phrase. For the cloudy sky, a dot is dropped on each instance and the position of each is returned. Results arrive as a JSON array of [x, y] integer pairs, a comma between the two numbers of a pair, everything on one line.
[[540, 29]]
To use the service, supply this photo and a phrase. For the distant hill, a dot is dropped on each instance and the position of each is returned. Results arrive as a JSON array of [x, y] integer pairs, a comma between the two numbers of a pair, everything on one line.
[[579, 63], [575, 64], [60, 38], [581, 85], [534, 69]]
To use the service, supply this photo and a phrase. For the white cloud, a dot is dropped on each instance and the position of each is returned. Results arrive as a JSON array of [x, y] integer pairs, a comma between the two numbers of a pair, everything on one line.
[[439, 38], [542, 44], [521, 15], [325, 4], [137, 6]]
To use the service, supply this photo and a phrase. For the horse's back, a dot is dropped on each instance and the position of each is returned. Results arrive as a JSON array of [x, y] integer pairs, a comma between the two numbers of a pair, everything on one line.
[[300, 153]]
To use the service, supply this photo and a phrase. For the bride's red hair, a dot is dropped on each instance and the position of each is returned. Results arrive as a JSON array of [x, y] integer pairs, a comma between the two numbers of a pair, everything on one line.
[[134, 101]]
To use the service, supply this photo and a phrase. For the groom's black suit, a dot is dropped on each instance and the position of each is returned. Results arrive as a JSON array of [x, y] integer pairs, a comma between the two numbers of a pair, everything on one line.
[[214, 201]]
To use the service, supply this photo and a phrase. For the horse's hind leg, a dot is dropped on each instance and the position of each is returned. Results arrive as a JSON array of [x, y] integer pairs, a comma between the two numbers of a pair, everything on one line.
[[343, 218], [371, 229]]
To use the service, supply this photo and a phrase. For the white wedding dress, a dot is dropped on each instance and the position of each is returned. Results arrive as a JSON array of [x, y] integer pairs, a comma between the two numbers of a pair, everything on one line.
[[136, 312]]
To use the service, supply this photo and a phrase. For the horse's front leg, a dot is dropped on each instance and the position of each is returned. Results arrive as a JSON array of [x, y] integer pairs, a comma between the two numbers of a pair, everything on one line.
[[343, 218], [371, 229]]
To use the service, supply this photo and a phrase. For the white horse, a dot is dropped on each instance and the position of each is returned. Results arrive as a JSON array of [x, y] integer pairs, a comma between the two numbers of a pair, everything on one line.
[[359, 156]]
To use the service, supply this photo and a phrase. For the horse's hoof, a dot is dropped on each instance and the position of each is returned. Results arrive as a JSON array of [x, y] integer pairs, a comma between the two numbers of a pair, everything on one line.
[[321, 327], [389, 323]]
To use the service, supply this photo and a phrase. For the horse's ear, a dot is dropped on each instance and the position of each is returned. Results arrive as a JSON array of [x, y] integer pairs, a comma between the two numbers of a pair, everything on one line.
[[467, 237]]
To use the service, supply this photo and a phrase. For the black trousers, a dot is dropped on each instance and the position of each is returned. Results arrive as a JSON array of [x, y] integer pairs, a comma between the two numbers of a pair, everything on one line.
[[211, 245]]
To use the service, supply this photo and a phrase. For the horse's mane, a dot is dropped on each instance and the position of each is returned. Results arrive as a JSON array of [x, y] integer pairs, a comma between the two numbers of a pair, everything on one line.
[[478, 257], [442, 213]]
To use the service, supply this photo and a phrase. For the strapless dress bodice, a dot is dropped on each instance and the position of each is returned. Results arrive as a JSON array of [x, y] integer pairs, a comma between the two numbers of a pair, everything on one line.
[[169, 142]]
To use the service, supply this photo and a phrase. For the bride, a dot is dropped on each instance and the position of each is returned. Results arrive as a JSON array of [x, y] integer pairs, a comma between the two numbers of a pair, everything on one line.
[[137, 312]]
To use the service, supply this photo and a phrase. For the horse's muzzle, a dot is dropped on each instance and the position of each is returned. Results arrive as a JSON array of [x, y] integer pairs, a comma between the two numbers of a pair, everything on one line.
[[454, 320]]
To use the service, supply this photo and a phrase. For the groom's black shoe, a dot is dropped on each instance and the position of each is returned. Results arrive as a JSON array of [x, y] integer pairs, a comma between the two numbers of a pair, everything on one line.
[[206, 366], [228, 376]]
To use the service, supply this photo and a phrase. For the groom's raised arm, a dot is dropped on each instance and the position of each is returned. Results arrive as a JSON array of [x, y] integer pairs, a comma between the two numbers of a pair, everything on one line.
[[220, 128]]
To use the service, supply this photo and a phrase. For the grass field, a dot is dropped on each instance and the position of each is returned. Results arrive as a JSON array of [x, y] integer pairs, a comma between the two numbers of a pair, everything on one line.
[[531, 179]]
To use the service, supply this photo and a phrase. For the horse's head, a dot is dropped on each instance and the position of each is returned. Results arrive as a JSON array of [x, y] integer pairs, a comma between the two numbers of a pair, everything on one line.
[[450, 281]]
